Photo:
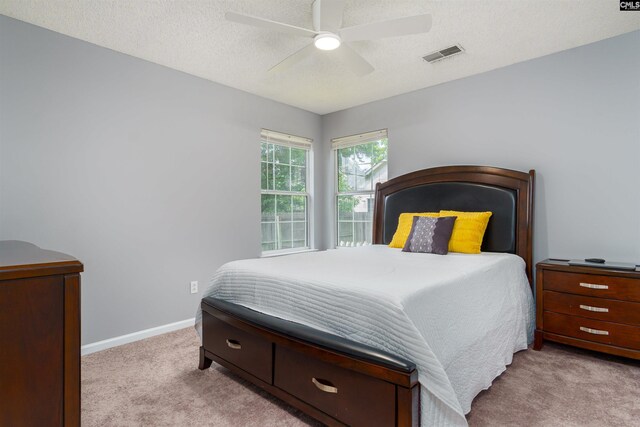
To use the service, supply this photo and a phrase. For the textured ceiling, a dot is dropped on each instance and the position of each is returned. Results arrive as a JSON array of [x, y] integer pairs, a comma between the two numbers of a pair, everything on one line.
[[194, 37]]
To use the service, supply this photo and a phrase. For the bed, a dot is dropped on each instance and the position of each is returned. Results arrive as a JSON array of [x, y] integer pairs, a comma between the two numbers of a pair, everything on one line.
[[409, 342]]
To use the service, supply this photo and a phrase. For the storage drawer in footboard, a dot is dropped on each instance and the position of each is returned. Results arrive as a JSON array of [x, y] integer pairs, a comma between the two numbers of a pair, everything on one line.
[[353, 398], [249, 352]]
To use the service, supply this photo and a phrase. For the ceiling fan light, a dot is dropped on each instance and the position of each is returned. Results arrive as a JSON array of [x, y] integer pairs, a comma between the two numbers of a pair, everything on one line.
[[327, 41]]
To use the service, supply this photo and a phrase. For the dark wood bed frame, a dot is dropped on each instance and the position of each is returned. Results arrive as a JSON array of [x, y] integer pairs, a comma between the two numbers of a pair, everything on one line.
[[350, 383]]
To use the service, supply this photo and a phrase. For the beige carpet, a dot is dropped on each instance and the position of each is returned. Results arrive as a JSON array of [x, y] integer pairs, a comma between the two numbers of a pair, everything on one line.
[[156, 382]]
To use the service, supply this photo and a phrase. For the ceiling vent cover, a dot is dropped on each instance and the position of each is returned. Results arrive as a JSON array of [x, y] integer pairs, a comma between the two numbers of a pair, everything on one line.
[[444, 53]]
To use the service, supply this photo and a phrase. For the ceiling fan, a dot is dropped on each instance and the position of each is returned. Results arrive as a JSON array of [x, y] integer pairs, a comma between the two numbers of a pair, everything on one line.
[[328, 35]]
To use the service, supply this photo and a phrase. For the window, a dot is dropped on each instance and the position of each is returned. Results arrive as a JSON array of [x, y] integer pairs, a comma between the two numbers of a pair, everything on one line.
[[284, 187], [361, 162]]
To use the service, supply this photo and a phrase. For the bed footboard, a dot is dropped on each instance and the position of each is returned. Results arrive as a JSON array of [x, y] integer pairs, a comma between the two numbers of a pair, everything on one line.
[[337, 381]]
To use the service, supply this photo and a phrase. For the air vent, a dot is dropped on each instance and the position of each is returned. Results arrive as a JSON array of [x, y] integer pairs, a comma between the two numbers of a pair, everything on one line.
[[444, 53]]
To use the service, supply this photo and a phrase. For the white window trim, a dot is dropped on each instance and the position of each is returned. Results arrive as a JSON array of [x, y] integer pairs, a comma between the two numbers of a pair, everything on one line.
[[361, 138], [346, 142], [292, 141], [275, 253], [285, 139]]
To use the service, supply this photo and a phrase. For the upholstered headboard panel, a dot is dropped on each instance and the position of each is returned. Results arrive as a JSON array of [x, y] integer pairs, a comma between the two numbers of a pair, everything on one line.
[[506, 193], [459, 196]]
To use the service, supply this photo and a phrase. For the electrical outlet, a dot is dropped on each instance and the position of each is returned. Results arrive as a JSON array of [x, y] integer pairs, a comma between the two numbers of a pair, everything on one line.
[[194, 287]]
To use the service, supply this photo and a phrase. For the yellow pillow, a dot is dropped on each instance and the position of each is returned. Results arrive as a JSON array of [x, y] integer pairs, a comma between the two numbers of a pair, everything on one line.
[[468, 231], [405, 222]]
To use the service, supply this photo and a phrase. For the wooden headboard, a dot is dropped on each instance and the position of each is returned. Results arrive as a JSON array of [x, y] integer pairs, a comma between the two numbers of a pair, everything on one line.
[[506, 193]]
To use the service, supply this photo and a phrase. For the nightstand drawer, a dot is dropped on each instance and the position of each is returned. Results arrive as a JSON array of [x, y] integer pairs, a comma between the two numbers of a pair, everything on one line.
[[593, 330], [620, 288], [608, 310]]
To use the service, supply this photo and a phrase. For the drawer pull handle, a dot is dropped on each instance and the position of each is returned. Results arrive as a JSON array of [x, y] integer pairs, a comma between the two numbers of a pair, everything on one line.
[[234, 344], [324, 387], [593, 286], [596, 309], [593, 331]]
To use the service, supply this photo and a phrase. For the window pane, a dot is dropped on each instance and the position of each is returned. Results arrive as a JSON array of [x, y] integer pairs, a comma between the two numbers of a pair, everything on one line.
[[282, 177], [346, 181], [282, 154], [363, 152], [266, 176], [363, 209], [263, 148], [379, 162], [344, 158], [345, 207], [285, 235], [380, 149], [268, 236], [362, 233], [299, 208], [345, 233], [283, 208], [268, 207], [379, 174], [298, 157], [363, 177], [298, 178], [362, 163], [299, 234]]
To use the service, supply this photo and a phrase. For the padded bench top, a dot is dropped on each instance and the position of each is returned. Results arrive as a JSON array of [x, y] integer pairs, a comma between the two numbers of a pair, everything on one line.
[[313, 336]]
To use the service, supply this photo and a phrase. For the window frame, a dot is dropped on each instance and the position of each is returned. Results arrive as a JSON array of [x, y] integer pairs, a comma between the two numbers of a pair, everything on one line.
[[297, 142], [346, 142]]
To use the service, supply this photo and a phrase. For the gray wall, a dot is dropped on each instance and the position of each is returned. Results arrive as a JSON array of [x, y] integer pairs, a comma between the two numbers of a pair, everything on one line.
[[148, 175], [573, 116]]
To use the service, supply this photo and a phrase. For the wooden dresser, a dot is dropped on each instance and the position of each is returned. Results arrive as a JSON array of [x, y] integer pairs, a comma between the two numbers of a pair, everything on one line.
[[39, 336], [593, 308]]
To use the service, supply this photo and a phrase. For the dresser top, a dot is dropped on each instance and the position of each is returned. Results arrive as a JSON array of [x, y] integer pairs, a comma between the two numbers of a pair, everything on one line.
[[22, 259]]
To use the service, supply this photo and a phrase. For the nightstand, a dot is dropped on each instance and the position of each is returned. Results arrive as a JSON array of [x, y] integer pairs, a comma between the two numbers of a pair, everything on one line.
[[593, 308]]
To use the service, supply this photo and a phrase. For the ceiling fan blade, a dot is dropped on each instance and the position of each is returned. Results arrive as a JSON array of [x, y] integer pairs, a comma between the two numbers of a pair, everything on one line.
[[327, 15], [354, 60], [391, 28], [294, 58], [271, 25]]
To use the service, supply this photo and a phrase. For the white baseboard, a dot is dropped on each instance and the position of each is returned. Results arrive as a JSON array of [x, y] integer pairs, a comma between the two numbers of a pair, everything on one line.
[[135, 336]]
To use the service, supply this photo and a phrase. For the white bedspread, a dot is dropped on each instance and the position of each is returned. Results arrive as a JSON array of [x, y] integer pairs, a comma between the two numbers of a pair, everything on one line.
[[459, 317]]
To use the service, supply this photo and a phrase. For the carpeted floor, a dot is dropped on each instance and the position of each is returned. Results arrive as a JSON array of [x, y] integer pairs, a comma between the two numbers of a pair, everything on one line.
[[156, 382]]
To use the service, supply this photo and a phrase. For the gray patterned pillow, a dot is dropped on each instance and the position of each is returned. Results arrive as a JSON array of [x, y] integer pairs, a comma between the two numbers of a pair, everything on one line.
[[430, 235]]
